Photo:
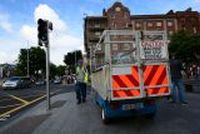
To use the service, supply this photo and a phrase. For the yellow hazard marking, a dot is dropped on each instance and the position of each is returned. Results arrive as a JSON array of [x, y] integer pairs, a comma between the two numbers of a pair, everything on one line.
[[8, 106], [21, 107], [19, 99], [26, 103]]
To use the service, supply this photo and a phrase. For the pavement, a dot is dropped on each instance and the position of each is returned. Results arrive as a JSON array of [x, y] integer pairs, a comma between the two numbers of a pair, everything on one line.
[[66, 117]]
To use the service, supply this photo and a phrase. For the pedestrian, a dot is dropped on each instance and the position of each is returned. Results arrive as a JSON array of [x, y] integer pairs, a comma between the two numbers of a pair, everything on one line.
[[177, 81], [81, 82]]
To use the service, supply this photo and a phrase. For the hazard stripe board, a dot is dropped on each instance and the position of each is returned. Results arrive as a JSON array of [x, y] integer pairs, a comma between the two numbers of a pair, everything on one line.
[[157, 91], [126, 93], [126, 80], [155, 75]]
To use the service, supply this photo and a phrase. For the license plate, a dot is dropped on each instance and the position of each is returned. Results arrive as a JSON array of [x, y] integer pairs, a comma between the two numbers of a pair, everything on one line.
[[132, 106]]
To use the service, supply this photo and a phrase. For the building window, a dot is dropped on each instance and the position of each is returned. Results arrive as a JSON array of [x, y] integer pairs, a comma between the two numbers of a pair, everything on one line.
[[159, 24], [194, 30], [150, 24], [126, 47], [97, 25], [171, 32], [97, 33], [169, 24], [138, 25], [115, 47], [115, 25], [112, 15]]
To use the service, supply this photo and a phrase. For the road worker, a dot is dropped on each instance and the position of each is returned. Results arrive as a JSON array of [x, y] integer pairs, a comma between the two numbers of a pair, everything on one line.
[[81, 83]]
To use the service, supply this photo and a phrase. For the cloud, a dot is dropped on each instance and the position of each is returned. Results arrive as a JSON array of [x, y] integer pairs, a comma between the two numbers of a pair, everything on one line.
[[61, 41], [29, 33], [45, 12], [4, 57], [8, 51], [5, 24]]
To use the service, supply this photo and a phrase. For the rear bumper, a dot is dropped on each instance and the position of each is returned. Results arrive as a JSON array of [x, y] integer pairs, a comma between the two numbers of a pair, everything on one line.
[[9, 86], [146, 109], [114, 112]]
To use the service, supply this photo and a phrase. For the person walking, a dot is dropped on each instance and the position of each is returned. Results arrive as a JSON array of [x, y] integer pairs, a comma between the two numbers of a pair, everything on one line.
[[81, 82], [177, 81]]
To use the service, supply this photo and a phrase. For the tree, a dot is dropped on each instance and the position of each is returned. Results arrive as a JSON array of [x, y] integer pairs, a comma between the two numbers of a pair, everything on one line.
[[185, 46], [60, 70], [72, 58], [36, 61], [53, 70]]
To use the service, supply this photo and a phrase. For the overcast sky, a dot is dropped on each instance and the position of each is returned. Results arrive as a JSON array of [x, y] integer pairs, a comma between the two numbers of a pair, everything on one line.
[[18, 19]]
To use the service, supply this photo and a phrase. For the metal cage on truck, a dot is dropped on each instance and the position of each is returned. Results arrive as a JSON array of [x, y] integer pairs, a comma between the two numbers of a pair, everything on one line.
[[134, 65]]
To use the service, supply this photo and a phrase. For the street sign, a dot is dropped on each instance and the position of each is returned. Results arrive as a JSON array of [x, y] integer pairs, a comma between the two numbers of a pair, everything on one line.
[[153, 50]]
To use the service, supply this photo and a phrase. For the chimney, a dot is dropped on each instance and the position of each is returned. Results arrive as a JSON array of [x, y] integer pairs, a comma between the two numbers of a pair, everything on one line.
[[104, 12]]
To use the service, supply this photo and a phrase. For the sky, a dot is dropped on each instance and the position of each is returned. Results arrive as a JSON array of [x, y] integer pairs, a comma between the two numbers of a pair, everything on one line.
[[18, 27]]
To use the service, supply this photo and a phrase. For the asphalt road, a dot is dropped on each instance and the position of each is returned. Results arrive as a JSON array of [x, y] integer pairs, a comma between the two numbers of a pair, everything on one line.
[[70, 118], [14, 99]]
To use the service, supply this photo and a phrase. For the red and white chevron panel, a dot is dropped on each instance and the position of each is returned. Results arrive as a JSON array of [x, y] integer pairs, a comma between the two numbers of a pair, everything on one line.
[[128, 81]]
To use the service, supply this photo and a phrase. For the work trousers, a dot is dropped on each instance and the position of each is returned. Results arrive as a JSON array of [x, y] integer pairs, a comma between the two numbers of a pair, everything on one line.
[[178, 85], [80, 89]]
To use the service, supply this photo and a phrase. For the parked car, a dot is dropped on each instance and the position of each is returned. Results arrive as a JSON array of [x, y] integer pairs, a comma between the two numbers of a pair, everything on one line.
[[57, 81], [40, 82], [16, 82]]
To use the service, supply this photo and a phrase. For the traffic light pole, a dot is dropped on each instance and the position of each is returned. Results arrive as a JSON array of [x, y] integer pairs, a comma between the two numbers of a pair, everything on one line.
[[47, 72], [43, 38]]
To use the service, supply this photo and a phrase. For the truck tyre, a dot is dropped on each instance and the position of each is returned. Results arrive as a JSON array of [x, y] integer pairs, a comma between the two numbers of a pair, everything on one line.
[[104, 118]]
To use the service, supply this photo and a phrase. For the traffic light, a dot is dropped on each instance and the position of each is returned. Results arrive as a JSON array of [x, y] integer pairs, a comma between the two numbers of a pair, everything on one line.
[[42, 30]]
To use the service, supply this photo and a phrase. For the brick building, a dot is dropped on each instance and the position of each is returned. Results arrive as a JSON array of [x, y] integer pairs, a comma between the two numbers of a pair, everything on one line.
[[118, 16]]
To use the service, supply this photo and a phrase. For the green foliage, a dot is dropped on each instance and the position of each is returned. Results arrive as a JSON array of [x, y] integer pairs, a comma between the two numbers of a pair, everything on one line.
[[52, 70], [37, 64], [185, 46], [36, 61], [72, 58], [60, 70]]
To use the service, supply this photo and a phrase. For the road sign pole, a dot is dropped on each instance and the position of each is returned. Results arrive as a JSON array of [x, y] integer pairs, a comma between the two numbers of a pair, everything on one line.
[[47, 71]]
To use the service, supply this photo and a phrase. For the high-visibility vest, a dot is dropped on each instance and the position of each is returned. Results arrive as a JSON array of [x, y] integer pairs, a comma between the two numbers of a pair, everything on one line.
[[86, 77], [85, 73]]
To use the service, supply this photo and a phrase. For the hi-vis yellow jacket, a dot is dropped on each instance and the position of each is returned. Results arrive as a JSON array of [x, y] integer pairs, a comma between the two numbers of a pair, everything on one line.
[[85, 73]]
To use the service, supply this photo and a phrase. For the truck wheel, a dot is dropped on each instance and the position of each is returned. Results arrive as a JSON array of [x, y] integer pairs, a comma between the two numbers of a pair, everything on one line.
[[103, 117]]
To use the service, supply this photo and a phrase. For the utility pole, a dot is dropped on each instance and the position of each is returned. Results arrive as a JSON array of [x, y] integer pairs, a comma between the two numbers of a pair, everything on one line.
[[75, 58]]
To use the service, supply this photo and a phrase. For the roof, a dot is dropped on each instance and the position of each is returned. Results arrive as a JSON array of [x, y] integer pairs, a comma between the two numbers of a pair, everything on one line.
[[152, 16], [95, 17]]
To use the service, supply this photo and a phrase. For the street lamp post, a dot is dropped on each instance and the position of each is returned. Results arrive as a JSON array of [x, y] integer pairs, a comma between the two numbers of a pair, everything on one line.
[[28, 60]]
